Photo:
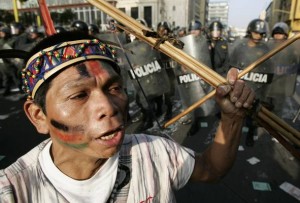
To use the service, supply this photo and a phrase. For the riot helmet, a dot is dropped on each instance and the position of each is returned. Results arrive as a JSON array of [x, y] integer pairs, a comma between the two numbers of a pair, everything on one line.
[[181, 32], [17, 28], [36, 32], [111, 23], [258, 26], [60, 29], [6, 32], [280, 28], [163, 28], [93, 29], [79, 25], [195, 25], [215, 29], [33, 29]]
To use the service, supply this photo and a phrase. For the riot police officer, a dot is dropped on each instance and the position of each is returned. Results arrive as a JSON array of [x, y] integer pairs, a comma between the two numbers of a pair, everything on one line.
[[286, 66], [164, 29], [19, 36], [190, 91], [93, 29], [195, 28], [280, 31], [246, 52], [218, 48], [60, 29], [35, 35], [7, 68], [79, 25]]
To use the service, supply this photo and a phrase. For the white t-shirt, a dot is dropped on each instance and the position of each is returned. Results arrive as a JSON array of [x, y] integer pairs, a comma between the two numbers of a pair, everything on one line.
[[96, 189], [150, 168]]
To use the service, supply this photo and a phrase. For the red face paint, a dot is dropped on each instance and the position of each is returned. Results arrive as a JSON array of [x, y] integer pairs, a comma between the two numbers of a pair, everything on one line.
[[95, 68], [67, 137]]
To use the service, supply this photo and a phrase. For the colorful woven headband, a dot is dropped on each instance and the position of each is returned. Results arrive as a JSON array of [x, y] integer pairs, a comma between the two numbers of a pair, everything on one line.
[[50, 60]]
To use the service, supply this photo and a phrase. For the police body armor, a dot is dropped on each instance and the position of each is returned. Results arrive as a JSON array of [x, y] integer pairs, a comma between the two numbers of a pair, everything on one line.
[[260, 78], [146, 71], [191, 87]]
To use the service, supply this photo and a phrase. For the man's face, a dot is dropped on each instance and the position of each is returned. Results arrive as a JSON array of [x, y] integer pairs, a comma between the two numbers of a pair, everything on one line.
[[256, 37], [195, 32], [162, 31], [216, 33], [33, 35], [86, 110], [279, 36]]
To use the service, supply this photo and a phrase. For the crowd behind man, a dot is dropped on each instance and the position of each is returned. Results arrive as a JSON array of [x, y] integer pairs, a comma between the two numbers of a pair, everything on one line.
[[222, 56]]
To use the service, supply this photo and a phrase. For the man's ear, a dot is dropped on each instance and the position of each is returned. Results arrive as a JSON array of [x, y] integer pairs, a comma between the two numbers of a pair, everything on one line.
[[37, 117]]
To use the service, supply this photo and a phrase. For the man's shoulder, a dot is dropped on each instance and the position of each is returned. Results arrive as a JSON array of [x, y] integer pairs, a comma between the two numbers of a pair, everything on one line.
[[24, 163]]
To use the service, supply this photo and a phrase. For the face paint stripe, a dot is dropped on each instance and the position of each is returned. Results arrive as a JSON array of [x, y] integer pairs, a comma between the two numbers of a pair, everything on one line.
[[64, 128], [59, 126], [95, 67], [82, 70], [67, 138], [76, 146]]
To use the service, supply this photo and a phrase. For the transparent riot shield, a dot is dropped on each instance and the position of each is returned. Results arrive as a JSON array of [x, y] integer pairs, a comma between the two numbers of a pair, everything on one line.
[[114, 37], [191, 87], [285, 88], [285, 70]]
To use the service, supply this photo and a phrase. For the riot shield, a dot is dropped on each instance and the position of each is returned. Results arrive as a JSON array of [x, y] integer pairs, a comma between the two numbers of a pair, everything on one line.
[[191, 87], [259, 78], [147, 72], [285, 71], [114, 37], [197, 47], [285, 88]]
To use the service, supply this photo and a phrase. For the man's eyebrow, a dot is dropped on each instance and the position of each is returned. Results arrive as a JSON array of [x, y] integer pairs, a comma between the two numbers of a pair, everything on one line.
[[75, 83], [113, 79]]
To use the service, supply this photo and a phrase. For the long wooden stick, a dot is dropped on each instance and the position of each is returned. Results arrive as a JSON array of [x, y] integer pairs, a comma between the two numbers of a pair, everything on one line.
[[280, 122], [280, 139], [279, 128]]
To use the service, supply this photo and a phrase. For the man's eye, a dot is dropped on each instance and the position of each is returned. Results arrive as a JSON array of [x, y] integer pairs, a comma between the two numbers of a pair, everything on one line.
[[115, 89], [79, 96]]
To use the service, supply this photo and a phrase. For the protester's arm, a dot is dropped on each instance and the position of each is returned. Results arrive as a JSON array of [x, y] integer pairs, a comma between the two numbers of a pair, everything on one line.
[[217, 159]]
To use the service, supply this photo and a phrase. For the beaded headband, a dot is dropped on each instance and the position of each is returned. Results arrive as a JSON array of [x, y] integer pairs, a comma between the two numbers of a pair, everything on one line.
[[45, 63]]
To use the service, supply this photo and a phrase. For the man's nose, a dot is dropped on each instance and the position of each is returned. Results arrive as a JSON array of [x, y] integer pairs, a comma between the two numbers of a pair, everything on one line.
[[104, 105]]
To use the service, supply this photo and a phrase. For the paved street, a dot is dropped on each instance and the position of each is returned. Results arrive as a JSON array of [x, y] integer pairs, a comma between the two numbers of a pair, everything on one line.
[[273, 166]]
